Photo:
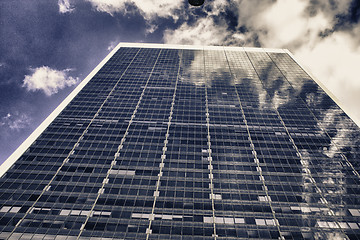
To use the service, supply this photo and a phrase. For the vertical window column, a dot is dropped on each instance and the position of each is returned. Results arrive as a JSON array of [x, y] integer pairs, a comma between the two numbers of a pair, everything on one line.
[[113, 163], [163, 156], [210, 166], [256, 160]]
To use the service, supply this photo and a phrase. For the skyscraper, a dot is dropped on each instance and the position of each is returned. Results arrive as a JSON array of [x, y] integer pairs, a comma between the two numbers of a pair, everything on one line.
[[186, 142]]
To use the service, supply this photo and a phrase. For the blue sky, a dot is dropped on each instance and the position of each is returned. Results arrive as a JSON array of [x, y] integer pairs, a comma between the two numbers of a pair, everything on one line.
[[48, 47]]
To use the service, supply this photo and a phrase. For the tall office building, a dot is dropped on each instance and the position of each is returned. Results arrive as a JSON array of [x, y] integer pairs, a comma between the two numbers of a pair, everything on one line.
[[184, 142]]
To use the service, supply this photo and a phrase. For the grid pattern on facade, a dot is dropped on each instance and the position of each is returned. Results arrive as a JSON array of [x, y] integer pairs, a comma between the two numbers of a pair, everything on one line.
[[190, 144]]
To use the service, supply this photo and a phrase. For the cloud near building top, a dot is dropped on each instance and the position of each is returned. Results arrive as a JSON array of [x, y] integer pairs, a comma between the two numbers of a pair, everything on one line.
[[48, 80]]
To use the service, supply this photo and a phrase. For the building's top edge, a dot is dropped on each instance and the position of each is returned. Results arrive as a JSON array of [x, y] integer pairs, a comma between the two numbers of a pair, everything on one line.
[[198, 47]]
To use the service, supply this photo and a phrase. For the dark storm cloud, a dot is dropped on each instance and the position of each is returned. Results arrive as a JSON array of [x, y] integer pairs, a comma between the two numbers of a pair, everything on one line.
[[355, 11], [343, 14], [230, 18], [349, 19]]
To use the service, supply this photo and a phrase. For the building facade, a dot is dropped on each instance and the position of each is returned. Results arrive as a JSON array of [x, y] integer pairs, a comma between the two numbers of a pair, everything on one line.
[[185, 142]]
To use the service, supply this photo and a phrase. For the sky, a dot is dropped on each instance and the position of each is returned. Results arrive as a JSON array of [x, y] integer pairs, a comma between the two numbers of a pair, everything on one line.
[[48, 47]]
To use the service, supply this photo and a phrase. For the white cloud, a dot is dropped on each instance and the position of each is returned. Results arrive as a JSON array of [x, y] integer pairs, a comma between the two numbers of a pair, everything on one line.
[[48, 80], [335, 62], [151, 10], [15, 121], [203, 32], [112, 45], [289, 24], [286, 24], [5, 119], [148, 8], [65, 6]]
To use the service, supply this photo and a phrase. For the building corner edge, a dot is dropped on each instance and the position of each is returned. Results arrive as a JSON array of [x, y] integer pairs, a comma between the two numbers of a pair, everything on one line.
[[326, 90], [6, 165]]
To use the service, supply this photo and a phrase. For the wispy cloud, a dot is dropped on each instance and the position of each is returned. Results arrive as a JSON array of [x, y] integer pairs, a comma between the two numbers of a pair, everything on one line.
[[65, 6], [149, 9], [48, 80], [112, 45], [203, 32], [15, 121]]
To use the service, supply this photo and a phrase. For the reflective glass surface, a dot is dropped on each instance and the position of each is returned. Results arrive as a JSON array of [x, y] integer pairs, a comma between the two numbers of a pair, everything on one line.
[[190, 144]]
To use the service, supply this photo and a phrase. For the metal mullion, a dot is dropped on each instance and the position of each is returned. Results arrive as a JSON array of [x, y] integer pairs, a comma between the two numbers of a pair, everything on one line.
[[209, 151], [163, 156], [255, 155], [101, 190]]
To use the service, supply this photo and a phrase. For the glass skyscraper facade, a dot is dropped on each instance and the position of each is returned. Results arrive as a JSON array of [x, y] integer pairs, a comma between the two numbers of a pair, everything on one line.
[[185, 142]]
